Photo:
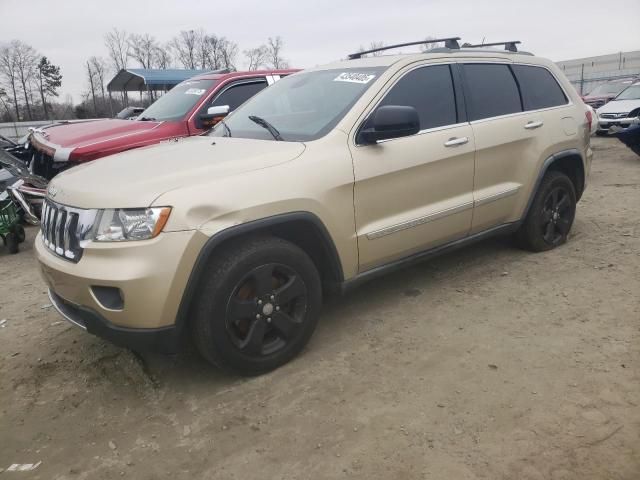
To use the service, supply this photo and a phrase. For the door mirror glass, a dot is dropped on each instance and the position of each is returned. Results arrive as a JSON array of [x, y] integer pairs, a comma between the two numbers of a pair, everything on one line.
[[391, 121], [212, 116]]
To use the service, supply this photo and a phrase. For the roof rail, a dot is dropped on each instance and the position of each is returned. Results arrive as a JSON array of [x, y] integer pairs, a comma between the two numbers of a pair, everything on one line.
[[510, 46], [450, 42]]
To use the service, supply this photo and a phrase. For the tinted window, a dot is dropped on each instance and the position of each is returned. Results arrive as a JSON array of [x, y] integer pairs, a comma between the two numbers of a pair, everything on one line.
[[238, 94], [492, 90], [538, 87], [430, 91]]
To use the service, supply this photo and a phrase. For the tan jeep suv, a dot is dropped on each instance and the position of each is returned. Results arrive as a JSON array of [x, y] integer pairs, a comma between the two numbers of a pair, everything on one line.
[[328, 178]]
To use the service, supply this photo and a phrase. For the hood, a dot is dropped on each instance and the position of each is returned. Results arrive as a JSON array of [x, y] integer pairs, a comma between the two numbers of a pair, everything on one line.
[[136, 178], [66, 137], [619, 106]]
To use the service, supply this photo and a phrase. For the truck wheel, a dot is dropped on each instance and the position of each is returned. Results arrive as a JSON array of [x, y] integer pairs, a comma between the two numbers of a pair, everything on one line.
[[258, 305], [11, 241], [551, 214]]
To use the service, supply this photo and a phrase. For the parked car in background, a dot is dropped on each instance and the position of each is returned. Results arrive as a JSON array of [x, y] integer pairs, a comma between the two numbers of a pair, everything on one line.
[[623, 111], [606, 92], [129, 113], [190, 108], [329, 178]]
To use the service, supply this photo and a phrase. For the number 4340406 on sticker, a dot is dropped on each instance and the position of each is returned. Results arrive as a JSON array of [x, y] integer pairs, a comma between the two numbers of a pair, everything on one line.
[[354, 77]]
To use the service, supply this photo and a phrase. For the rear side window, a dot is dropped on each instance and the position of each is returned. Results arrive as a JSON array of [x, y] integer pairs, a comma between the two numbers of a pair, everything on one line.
[[538, 87], [492, 90], [238, 94], [430, 91]]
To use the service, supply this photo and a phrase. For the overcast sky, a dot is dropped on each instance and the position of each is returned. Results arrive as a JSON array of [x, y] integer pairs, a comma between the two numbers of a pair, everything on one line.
[[316, 32]]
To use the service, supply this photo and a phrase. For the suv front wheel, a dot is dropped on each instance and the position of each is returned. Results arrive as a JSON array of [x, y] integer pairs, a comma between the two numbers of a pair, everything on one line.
[[551, 214], [258, 305]]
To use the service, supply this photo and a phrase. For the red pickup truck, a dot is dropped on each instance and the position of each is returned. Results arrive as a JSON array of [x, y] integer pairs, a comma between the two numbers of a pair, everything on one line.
[[190, 108]]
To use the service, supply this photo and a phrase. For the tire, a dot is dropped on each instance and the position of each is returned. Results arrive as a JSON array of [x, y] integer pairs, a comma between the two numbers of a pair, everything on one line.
[[11, 240], [551, 215], [237, 324], [20, 233]]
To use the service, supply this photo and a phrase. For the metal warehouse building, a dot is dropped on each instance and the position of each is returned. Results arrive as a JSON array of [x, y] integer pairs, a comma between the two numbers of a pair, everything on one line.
[[587, 73]]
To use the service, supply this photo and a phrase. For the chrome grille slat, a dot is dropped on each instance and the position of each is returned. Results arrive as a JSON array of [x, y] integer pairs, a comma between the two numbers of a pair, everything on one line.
[[64, 228]]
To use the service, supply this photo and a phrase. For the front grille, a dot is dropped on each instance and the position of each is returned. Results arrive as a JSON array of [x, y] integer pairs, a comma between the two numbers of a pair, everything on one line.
[[613, 115], [64, 229]]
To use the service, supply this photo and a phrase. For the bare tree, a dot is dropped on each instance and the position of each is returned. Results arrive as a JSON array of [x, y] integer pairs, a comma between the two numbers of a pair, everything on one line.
[[185, 47], [427, 47], [142, 48], [256, 57], [162, 55], [228, 53], [117, 43], [9, 73], [26, 61], [98, 67], [274, 53], [90, 77], [372, 46], [5, 101]]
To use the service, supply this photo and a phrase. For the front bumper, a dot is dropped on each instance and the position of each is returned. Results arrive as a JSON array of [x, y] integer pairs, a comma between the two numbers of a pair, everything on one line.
[[604, 124], [162, 340], [149, 278]]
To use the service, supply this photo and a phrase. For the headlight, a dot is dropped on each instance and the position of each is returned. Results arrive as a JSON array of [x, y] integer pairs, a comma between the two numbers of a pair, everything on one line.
[[126, 224]]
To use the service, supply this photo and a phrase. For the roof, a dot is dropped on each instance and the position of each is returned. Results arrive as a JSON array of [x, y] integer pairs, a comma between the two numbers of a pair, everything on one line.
[[136, 79], [388, 60]]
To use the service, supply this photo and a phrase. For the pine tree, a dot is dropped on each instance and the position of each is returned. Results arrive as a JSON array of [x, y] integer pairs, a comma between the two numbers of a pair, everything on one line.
[[49, 80]]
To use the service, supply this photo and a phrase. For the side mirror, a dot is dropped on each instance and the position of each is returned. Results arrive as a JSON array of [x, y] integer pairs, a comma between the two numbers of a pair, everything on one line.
[[390, 121], [213, 116]]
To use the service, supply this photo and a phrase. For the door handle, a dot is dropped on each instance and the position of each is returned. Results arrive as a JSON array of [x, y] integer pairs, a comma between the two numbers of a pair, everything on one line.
[[531, 125], [452, 142]]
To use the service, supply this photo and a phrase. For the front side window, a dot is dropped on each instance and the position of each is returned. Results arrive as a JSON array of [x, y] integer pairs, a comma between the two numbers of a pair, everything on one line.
[[538, 87], [492, 90], [300, 107], [176, 103], [236, 95], [430, 91]]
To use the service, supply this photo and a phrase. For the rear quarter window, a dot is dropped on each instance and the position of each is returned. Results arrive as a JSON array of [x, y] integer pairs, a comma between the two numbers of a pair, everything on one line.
[[539, 87], [493, 90]]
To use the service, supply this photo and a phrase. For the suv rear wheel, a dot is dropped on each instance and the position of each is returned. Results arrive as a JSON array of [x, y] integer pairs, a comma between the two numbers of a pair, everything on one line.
[[551, 214], [258, 307]]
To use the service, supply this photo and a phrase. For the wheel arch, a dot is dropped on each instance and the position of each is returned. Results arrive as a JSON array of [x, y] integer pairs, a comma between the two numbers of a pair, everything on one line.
[[569, 162], [303, 229]]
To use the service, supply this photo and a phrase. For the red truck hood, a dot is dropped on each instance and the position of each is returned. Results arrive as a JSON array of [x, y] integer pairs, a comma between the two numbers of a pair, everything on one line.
[[60, 140]]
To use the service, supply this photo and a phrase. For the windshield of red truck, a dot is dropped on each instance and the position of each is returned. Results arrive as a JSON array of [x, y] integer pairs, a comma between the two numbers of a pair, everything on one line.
[[175, 104]]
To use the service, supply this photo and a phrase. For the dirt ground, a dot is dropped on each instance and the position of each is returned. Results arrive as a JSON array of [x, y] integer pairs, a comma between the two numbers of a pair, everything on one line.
[[489, 363]]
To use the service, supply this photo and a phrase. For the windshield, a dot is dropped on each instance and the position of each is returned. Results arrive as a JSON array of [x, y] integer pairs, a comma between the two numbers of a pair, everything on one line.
[[608, 89], [175, 104], [631, 93], [301, 107]]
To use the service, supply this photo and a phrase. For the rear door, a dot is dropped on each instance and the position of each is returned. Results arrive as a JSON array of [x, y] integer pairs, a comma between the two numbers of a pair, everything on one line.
[[415, 192], [509, 142]]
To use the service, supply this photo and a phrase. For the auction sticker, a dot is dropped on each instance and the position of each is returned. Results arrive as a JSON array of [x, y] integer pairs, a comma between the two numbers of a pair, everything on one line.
[[195, 91], [354, 77]]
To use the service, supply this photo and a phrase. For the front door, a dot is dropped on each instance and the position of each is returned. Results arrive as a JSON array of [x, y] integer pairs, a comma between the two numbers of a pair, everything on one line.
[[416, 192]]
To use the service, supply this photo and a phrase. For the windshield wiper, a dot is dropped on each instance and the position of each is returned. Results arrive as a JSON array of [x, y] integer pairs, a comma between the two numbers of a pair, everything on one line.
[[147, 119], [264, 124]]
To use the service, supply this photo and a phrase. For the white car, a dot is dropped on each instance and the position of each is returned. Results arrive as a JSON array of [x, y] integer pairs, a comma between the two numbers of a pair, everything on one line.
[[622, 111]]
